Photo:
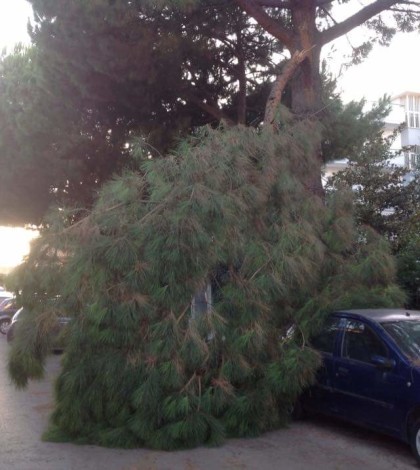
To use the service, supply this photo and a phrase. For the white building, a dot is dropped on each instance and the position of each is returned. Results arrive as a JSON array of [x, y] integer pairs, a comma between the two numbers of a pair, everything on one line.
[[406, 111]]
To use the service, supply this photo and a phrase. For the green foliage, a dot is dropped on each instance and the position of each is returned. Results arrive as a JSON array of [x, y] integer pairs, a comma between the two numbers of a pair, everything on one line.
[[409, 271], [383, 200], [408, 260], [347, 127], [29, 349], [50, 149], [16, 85], [99, 73], [228, 209], [389, 203]]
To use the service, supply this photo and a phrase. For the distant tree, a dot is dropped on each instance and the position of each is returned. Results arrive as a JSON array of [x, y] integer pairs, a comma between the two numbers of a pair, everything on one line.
[[22, 175], [387, 202], [162, 69], [103, 71], [51, 154], [348, 128], [408, 264], [408, 255], [382, 197], [49, 151], [73, 101]]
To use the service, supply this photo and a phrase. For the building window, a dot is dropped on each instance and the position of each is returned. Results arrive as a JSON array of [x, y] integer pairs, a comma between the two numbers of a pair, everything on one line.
[[412, 157], [413, 111]]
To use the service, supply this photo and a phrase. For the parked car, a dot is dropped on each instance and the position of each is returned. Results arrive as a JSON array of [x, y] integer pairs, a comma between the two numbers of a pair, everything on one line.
[[371, 372], [8, 307], [4, 295], [62, 322], [5, 321]]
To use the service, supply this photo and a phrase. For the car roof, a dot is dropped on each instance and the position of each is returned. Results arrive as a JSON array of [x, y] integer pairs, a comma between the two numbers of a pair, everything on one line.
[[6, 294], [381, 315]]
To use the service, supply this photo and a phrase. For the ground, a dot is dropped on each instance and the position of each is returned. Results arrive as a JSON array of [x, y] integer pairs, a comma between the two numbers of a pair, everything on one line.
[[318, 443]]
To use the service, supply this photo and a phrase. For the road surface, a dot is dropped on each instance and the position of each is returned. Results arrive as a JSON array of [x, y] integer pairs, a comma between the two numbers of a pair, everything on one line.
[[316, 444]]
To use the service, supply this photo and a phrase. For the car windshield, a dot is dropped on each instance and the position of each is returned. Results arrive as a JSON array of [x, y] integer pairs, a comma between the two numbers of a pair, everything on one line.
[[406, 333]]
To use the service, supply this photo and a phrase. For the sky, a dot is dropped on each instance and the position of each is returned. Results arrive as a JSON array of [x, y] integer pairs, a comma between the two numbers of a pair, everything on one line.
[[14, 16], [14, 244], [388, 70]]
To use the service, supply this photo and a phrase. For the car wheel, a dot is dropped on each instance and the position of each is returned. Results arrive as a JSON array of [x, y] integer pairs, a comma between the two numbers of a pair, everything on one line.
[[4, 326], [415, 440]]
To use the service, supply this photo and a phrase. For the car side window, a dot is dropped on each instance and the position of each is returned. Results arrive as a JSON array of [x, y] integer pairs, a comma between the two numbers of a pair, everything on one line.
[[325, 340], [361, 343]]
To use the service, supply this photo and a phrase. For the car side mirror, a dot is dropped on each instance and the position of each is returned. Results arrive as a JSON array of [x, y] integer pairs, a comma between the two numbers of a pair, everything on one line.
[[382, 362]]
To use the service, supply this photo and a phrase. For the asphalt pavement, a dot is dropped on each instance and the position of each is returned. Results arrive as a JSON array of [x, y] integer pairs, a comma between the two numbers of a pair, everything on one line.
[[316, 444]]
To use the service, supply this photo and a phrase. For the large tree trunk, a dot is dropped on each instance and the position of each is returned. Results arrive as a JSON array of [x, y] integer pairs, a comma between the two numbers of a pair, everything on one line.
[[301, 34], [306, 86], [307, 103], [306, 82]]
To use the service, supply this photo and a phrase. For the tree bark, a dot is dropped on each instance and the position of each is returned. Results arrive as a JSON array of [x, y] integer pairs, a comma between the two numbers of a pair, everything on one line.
[[305, 84], [301, 34], [279, 85]]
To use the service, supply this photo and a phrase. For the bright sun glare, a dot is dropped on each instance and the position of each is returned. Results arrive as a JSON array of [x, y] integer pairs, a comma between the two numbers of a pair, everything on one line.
[[13, 22], [14, 245]]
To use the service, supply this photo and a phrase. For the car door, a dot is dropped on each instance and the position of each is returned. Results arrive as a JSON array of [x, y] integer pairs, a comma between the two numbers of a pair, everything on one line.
[[366, 393], [321, 396]]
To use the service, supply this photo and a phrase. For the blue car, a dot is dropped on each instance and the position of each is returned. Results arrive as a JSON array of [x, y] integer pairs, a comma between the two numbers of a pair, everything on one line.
[[371, 371]]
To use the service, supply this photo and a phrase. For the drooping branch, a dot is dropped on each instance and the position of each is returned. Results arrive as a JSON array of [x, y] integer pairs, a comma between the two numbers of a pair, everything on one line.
[[272, 26], [213, 110], [280, 83], [355, 20]]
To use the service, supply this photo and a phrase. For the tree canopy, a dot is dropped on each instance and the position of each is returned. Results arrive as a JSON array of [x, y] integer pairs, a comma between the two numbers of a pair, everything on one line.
[[387, 198], [100, 72], [93, 83], [48, 150], [384, 199]]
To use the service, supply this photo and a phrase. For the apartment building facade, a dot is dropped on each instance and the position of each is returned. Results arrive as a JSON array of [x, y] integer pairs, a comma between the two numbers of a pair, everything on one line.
[[405, 111], [405, 116]]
